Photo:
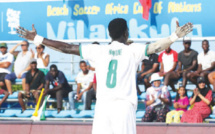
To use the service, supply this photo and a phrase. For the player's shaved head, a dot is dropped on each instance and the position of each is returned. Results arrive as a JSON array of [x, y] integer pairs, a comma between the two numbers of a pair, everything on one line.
[[117, 28]]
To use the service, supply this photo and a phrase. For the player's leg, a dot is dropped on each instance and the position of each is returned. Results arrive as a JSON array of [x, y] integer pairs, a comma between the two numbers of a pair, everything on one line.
[[205, 75], [169, 79], [123, 117], [71, 98], [211, 78], [101, 121], [20, 98]]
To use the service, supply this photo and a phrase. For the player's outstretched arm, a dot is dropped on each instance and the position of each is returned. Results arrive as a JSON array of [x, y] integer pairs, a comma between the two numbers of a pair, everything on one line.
[[162, 44], [56, 45]]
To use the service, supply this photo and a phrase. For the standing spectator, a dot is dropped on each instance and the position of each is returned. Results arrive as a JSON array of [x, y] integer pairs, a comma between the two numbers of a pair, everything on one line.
[[91, 94], [168, 60], [187, 62], [149, 66], [6, 60], [206, 63], [157, 101], [42, 59], [201, 100], [34, 84], [84, 84], [61, 87], [21, 65]]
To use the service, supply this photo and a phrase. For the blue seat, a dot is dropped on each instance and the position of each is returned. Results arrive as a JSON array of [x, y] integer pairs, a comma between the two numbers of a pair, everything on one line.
[[189, 94], [142, 96], [140, 114], [212, 116], [173, 95], [18, 80], [26, 113], [10, 112], [64, 114], [50, 113], [71, 78], [14, 95], [84, 114]]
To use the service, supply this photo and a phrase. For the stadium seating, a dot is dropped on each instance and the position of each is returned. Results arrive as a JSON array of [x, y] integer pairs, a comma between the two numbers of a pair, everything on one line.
[[10, 112], [26, 113], [84, 114]]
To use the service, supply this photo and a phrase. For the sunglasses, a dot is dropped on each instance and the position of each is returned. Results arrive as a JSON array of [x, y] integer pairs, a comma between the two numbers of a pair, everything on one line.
[[38, 48], [23, 45]]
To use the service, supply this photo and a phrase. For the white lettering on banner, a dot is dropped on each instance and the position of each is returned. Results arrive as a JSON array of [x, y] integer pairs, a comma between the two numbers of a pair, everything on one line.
[[77, 31], [13, 19], [119, 9]]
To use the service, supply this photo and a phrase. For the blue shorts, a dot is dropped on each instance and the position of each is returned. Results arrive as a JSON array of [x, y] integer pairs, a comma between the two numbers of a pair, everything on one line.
[[12, 76]]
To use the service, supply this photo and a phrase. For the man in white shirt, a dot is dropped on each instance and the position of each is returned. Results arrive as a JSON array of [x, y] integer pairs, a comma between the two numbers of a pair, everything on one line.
[[116, 65], [21, 65], [206, 64], [6, 60], [84, 84]]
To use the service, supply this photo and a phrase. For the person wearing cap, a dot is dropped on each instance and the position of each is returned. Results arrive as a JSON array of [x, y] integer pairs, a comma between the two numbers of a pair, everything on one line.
[[201, 100], [6, 60], [21, 64], [35, 80], [206, 64], [187, 62], [157, 100]]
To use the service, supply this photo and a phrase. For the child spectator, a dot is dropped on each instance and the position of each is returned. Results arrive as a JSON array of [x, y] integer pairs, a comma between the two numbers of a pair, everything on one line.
[[180, 104], [201, 100], [157, 101]]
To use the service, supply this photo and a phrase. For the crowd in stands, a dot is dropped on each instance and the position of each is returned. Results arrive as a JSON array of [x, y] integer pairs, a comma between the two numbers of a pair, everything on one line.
[[156, 73]]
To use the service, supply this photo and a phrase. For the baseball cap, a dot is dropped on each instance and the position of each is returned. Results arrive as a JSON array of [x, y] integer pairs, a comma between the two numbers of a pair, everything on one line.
[[155, 77], [201, 80], [33, 61], [187, 40], [3, 45]]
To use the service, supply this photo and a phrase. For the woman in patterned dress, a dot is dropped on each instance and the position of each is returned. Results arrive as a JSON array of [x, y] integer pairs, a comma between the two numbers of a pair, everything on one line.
[[201, 99]]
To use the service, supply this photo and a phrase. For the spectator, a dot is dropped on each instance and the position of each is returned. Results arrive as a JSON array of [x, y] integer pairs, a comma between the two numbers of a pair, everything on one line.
[[84, 84], [34, 84], [21, 65], [61, 87], [201, 100], [42, 59], [6, 60], [157, 101], [180, 104], [91, 94], [206, 64], [168, 60], [187, 62], [149, 66]]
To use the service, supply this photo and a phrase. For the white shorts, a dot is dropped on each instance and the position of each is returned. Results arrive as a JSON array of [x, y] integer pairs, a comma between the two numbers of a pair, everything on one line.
[[115, 117]]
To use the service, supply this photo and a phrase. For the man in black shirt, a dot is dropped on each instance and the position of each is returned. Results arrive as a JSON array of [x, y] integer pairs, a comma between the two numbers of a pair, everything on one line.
[[187, 62], [34, 84], [61, 87], [147, 69]]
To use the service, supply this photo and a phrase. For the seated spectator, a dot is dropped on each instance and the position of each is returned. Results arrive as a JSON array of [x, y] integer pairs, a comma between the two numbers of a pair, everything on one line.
[[42, 59], [84, 84], [157, 101], [61, 87], [201, 100], [91, 94], [21, 65], [180, 104], [187, 62], [149, 66], [34, 84], [206, 64], [6, 60], [168, 60]]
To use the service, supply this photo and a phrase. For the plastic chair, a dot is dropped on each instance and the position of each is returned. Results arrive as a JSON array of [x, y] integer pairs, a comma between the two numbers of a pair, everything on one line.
[[26, 113], [64, 114], [84, 114], [140, 114]]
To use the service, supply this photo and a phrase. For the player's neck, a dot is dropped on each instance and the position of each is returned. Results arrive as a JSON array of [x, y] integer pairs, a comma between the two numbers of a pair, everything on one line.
[[121, 40]]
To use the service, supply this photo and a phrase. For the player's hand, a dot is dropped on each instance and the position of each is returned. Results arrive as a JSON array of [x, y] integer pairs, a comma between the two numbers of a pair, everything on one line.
[[79, 96], [183, 30], [24, 33]]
